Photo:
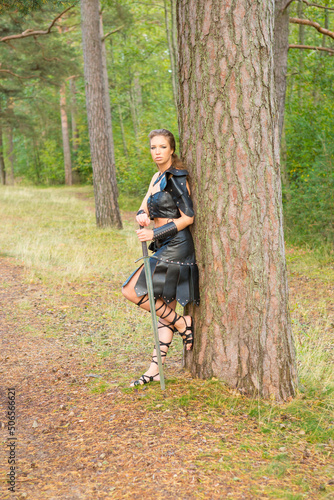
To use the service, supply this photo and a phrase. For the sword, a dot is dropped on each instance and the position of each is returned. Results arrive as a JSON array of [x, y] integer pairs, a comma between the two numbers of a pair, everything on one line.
[[152, 307]]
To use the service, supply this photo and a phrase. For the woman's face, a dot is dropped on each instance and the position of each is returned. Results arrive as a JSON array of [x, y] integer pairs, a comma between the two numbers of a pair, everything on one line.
[[161, 151]]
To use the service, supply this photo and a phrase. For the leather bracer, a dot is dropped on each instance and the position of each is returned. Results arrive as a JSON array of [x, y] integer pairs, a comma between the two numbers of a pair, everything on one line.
[[165, 231]]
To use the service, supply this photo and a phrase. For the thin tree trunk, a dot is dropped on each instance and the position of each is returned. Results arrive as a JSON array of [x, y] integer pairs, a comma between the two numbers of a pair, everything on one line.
[[11, 154], [122, 130], [107, 101], [2, 161], [37, 163], [285, 174], [301, 41], [105, 189], [66, 138], [75, 131], [171, 53], [174, 37], [133, 109], [281, 47], [10, 139], [138, 97], [229, 135]]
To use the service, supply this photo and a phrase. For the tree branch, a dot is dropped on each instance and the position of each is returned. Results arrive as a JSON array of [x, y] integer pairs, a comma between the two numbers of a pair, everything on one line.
[[311, 47], [31, 32], [17, 76], [309, 5], [315, 25], [111, 32]]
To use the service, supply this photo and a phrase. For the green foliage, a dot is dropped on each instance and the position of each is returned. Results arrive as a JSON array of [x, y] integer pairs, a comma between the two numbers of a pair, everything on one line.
[[25, 6], [31, 74], [309, 134], [141, 99], [309, 211], [139, 82]]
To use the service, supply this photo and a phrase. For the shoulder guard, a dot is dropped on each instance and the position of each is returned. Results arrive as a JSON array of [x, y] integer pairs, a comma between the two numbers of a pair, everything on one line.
[[177, 186]]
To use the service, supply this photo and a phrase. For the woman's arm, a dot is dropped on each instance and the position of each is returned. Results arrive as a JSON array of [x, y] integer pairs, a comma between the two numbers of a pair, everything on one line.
[[143, 219], [143, 205], [180, 223], [183, 221]]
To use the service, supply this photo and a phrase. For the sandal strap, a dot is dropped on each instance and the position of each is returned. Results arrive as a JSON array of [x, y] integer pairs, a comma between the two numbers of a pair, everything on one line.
[[142, 301], [143, 379], [162, 353], [171, 328], [188, 338]]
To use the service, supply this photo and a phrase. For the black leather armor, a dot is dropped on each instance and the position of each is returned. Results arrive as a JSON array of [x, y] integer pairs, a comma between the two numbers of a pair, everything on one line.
[[172, 197]]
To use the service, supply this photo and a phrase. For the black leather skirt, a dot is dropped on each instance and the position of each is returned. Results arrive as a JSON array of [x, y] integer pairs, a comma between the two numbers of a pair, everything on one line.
[[174, 270]]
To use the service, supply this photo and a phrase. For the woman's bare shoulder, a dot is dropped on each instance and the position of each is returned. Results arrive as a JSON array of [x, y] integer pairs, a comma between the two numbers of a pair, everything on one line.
[[154, 178]]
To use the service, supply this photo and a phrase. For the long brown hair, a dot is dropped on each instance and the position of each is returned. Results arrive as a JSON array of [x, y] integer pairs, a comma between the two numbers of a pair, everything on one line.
[[176, 162]]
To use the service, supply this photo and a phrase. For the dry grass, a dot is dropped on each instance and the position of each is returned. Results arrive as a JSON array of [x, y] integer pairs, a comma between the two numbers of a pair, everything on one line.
[[52, 231]]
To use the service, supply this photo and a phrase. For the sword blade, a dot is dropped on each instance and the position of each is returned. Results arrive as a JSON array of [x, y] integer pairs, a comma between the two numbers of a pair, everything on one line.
[[150, 293]]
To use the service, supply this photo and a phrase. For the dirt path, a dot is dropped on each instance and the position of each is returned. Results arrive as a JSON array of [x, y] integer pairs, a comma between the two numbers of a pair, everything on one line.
[[76, 444]]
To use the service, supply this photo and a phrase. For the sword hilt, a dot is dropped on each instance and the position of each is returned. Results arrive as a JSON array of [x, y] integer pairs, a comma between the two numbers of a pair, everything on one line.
[[144, 245]]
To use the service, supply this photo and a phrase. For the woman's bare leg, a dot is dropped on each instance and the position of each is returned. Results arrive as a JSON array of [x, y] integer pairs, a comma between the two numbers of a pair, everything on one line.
[[166, 314], [166, 333], [163, 310]]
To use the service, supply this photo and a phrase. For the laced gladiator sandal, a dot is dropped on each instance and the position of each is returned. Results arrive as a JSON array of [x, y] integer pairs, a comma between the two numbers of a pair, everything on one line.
[[150, 378], [188, 338], [146, 379], [163, 353]]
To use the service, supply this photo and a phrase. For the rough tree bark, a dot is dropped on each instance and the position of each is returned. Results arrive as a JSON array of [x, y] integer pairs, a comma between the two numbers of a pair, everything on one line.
[[65, 135], [230, 145], [105, 190], [281, 47]]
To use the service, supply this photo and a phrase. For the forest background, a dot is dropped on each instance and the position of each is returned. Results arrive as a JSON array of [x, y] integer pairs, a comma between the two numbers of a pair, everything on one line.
[[42, 77], [77, 342]]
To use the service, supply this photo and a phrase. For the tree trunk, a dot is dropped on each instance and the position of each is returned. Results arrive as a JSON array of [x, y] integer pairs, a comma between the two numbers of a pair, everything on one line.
[[11, 121], [281, 47], [284, 170], [75, 132], [301, 36], [174, 36], [106, 205], [125, 149], [107, 101], [66, 138], [11, 154], [133, 108], [171, 52], [230, 145], [2, 161]]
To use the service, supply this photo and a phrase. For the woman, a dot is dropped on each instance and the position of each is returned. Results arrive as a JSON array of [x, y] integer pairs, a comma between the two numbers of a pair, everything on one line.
[[173, 266]]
